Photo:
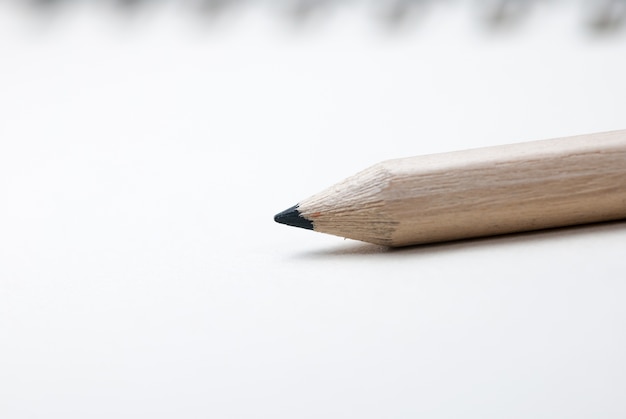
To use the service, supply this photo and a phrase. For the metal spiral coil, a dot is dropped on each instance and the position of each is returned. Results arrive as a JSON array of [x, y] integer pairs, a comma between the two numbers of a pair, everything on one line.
[[599, 15]]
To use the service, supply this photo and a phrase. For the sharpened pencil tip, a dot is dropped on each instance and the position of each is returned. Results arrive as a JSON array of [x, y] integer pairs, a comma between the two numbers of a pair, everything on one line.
[[292, 217]]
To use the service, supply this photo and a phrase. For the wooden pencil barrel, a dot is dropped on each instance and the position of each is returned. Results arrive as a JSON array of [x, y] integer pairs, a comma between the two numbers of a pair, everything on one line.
[[480, 192]]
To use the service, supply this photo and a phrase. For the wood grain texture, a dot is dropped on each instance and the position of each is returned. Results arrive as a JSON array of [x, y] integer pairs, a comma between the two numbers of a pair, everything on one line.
[[480, 192]]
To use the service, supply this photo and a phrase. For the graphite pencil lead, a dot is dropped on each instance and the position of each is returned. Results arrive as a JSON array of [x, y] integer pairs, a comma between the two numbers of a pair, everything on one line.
[[292, 217]]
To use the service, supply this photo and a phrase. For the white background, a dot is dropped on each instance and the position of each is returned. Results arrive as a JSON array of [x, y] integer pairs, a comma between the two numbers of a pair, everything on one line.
[[143, 155]]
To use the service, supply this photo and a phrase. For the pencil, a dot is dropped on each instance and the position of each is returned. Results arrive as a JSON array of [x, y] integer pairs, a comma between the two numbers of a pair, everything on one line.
[[472, 193]]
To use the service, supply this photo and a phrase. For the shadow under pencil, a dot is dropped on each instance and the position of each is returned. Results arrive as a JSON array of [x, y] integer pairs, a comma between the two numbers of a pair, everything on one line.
[[355, 249]]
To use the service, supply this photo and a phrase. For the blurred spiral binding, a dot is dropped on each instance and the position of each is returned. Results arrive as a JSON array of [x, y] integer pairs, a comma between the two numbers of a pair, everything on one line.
[[598, 15], [396, 12], [504, 12], [304, 9], [606, 15], [212, 8]]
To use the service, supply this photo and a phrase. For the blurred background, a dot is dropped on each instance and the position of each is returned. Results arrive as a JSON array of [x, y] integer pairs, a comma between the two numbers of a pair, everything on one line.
[[146, 144]]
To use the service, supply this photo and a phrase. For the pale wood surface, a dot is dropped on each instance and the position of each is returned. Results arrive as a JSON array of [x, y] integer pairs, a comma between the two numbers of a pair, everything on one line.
[[480, 192]]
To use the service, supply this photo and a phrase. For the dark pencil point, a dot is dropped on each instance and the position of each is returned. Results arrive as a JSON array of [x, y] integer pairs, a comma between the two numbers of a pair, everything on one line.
[[292, 217]]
